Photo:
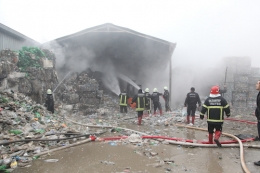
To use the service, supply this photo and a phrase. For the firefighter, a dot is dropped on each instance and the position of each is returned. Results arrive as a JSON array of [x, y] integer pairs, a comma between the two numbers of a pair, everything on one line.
[[49, 102], [148, 105], [257, 114], [123, 101], [156, 101], [215, 106], [140, 101], [191, 101], [166, 96]]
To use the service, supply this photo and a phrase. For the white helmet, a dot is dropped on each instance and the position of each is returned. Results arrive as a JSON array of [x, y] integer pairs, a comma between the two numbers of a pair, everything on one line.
[[165, 88], [49, 91], [155, 90], [146, 90]]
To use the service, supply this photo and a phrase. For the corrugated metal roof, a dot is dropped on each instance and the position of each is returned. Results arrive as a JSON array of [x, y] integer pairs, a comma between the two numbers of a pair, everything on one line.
[[109, 27], [16, 34]]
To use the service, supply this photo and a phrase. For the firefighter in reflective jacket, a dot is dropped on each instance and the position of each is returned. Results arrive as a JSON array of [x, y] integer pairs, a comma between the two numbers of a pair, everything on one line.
[[148, 104], [215, 106], [140, 101], [123, 102]]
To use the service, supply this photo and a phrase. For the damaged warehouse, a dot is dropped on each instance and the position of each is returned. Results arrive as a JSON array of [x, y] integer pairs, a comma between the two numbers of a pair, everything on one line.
[[116, 53], [86, 71]]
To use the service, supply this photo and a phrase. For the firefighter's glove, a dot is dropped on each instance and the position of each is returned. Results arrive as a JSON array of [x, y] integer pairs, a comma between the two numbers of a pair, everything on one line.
[[202, 117], [228, 115]]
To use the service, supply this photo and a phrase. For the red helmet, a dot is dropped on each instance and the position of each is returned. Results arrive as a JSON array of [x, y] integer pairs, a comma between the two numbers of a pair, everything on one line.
[[214, 90]]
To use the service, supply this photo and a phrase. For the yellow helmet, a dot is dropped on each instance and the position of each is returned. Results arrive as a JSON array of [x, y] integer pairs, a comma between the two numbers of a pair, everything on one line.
[[49, 91], [155, 90], [146, 90], [165, 88]]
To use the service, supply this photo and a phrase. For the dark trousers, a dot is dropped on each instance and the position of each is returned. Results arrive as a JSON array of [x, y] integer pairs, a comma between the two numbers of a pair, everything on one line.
[[123, 109], [191, 110], [217, 127], [140, 113], [167, 106], [157, 105], [258, 128]]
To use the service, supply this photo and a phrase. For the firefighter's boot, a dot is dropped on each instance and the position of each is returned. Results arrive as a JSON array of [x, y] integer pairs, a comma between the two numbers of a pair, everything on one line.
[[188, 119], [192, 119], [216, 139], [210, 138], [139, 120], [161, 112]]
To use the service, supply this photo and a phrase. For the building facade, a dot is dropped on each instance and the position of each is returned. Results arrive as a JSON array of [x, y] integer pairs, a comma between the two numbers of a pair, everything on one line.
[[13, 40]]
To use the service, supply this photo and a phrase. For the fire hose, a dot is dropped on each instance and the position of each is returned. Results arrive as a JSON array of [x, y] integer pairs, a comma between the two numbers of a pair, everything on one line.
[[193, 144], [242, 160]]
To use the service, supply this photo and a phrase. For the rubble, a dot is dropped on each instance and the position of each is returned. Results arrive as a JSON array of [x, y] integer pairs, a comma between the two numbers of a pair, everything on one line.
[[28, 130]]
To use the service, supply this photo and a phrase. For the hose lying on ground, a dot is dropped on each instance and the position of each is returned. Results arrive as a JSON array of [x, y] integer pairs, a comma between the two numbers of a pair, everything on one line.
[[179, 125], [236, 138]]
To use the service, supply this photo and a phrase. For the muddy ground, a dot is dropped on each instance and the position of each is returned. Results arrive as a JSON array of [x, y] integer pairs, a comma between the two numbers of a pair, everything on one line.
[[150, 155]]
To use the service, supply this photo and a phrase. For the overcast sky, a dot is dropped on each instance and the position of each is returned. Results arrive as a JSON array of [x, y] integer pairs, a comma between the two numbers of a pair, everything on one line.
[[204, 30]]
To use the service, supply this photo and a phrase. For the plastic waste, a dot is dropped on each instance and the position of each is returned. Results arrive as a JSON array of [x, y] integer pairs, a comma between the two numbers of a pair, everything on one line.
[[108, 162], [112, 143], [184, 111], [51, 160], [41, 131], [13, 164], [16, 132], [3, 167], [35, 157], [37, 115]]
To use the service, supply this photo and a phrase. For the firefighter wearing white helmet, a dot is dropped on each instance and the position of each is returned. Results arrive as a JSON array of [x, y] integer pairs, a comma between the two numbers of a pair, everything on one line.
[[156, 101], [49, 91], [166, 96], [148, 104], [49, 101]]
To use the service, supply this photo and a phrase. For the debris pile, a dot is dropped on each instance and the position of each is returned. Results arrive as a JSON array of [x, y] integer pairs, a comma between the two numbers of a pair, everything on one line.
[[26, 73]]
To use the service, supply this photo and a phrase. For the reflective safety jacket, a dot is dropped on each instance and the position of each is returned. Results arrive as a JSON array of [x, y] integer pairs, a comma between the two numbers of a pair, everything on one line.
[[140, 101], [148, 101], [215, 108], [123, 99]]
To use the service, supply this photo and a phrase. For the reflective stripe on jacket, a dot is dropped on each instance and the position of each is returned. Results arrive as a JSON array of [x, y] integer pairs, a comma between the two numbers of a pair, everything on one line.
[[140, 100], [123, 99], [215, 108]]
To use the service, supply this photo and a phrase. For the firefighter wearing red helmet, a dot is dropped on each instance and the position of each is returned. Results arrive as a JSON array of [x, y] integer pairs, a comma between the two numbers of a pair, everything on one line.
[[215, 106]]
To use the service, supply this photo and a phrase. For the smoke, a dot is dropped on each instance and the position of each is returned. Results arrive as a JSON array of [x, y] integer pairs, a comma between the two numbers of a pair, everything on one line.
[[153, 75]]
